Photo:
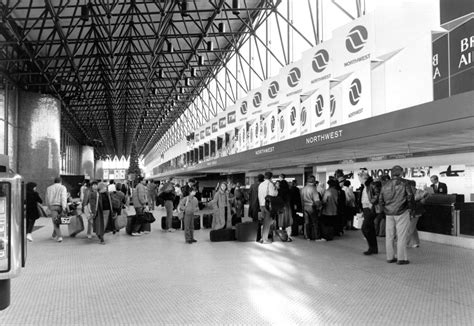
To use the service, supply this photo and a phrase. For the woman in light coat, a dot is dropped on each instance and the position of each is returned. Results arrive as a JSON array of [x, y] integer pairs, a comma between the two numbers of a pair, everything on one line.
[[222, 209]]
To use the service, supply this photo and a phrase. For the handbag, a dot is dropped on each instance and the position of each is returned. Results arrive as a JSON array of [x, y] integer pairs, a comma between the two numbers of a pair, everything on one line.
[[42, 210], [130, 211], [358, 220], [76, 225], [120, 221], [147, 217]]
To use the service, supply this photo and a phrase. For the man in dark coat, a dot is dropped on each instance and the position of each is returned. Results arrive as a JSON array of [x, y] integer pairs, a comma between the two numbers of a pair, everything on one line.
[[254, 206], [438, 187]]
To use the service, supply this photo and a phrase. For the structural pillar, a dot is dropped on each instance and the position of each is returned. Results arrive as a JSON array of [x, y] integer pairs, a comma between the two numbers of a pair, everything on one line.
[[39, 132], [87, 162]]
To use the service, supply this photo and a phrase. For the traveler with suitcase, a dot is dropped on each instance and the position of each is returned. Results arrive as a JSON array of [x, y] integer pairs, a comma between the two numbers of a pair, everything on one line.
[[188, 206], [266, 190], [222, 210], [140, 201], [329, 213], [311, 203]]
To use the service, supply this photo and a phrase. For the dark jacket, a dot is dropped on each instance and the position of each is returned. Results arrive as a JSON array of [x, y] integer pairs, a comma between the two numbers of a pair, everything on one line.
[[32, 200], [442, 188], [397, 196], [254, 206], [373, 189]]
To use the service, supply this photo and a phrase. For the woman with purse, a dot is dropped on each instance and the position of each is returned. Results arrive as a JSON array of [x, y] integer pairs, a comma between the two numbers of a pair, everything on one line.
[[32, 211]]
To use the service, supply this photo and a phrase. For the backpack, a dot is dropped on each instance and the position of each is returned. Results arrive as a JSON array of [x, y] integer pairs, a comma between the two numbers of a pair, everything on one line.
[[116, 200]]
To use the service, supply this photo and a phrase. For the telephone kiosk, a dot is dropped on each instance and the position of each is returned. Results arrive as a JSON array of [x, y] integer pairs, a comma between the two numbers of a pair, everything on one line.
[[12, 232]]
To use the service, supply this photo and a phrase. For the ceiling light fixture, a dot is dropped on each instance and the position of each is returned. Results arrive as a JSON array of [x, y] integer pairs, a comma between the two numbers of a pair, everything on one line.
[[221, 28], [235, 7]]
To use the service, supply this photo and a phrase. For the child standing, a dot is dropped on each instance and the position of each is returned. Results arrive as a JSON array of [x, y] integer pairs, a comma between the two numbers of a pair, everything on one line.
[[189, 206]]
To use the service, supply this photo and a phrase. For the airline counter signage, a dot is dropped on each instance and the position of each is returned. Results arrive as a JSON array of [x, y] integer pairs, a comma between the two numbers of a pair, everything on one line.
[[257, 103], [243, 109], [335, 105], [215, 127], [292, 118], [231, 117], [453, 59], [353, 44], [222, 122], [293, 79], [440, 62], [271, 91], [356, 97], [318, 63]]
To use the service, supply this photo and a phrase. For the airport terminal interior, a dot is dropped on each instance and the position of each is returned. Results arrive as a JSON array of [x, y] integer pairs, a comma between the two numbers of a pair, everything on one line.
[[247, 162]]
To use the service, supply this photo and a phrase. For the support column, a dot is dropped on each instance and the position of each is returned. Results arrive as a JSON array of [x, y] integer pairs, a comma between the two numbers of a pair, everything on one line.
[[39, 132], [87, 162]]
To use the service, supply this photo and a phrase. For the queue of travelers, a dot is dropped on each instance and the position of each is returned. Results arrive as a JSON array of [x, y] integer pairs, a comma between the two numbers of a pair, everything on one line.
[[390, 206]]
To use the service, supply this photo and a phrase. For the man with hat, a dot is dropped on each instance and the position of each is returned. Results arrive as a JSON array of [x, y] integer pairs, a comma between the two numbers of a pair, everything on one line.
[[397, 200]]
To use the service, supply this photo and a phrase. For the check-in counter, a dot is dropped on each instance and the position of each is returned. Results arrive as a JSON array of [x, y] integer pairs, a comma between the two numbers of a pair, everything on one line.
[[447, 214]]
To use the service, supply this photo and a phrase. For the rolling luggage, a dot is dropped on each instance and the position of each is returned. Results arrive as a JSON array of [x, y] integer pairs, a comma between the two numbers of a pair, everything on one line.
[[76, 225], [146, 227], [207, 221], [281, 235], [128, 228], [236, 220], [197, 222], [222, 235], [246, 231], [327, 232], [175, 223]]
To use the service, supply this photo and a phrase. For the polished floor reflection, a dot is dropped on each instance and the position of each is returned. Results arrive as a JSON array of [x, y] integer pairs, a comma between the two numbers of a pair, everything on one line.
[[159, 279]]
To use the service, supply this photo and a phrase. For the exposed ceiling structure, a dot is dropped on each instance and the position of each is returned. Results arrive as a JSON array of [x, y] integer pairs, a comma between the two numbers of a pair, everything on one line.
[[123, 70]]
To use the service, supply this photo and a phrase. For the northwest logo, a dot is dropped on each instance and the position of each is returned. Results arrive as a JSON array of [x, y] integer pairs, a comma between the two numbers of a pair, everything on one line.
[[333, 105], [272, 124], [318, 107], [257, 99], [293, 77], [273, 89], [320, 60], [303, 116], [243, 107], [355, 91], [356, 39], [282, 124], [293, 116]]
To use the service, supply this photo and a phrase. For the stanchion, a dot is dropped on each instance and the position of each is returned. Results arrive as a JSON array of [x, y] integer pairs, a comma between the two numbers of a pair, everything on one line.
[[4, 294]]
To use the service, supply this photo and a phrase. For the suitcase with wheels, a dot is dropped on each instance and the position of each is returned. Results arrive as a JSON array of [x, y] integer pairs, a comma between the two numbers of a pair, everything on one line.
[[146, 227], [207, 221], [327, 232], [197, 222], [222, 235], [236, 220], [176, 223], [163, 223], [246, 231]]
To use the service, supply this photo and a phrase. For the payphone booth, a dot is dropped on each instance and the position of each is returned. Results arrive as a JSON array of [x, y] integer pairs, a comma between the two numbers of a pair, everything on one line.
[[12, 233]]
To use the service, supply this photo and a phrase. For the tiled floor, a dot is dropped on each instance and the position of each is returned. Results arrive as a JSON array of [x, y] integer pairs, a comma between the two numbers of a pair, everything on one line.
[[158, 279]]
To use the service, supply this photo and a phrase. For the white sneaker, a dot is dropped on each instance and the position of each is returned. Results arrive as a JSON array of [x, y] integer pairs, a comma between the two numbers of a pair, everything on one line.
[[89, 236], [60, 239], [29, 237], [321, 240], [136, 234]]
